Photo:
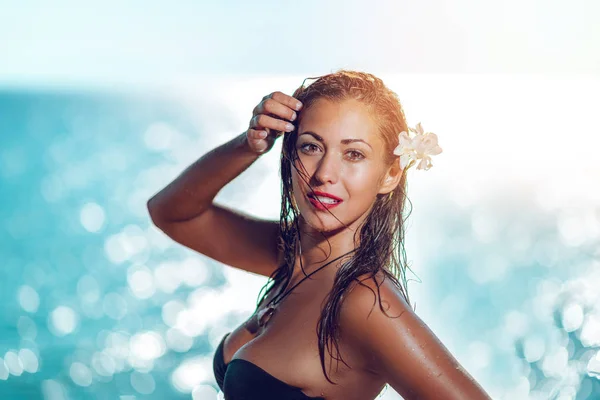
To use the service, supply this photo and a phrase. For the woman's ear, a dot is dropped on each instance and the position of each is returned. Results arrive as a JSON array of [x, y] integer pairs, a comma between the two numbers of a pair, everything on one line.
[[391, 179]]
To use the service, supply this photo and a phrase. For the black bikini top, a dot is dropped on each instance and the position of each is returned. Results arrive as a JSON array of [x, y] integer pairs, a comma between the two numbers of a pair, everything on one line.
[[242, 380]]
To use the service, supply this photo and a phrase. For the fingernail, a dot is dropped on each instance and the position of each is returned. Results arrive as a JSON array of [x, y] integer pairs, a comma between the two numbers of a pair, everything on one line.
[[298, 105], [289, 127], [262, 134], [293, 116]]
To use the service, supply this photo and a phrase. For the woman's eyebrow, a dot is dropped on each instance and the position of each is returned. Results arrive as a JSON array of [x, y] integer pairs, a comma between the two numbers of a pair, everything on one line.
[[343, 141]]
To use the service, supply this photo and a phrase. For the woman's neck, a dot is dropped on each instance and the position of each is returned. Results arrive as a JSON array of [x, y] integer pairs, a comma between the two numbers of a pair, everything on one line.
[[318, 249]]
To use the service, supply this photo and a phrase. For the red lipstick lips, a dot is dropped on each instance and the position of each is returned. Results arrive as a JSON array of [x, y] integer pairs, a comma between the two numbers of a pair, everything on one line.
[[322, 205]]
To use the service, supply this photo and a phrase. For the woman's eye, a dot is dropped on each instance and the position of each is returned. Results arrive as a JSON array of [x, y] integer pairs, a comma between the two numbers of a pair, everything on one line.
[[356, 155], [309, 146]]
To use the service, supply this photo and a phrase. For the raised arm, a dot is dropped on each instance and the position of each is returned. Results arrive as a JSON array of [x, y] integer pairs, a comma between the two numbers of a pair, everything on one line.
[[185, 210], [401, 348]]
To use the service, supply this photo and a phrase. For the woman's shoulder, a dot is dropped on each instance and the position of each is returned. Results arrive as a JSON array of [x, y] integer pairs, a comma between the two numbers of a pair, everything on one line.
[[367, 313], [370, 301], [396, 345], [367, 288]]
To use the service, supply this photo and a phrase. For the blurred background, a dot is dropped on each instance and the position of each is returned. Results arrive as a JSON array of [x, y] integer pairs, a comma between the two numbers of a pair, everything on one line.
[[104, 103]]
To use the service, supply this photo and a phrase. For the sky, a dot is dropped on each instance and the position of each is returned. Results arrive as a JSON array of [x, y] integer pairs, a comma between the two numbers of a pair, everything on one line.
[[108, 43]]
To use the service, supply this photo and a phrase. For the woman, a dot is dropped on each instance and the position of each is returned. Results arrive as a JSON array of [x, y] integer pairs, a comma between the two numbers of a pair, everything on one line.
[[334, 254]]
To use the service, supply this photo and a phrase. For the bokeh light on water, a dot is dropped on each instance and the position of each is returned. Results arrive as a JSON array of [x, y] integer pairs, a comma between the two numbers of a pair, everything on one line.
[[98, 303]]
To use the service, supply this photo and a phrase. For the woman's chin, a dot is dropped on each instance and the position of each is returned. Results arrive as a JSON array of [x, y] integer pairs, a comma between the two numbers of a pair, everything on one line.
[[322, 223]]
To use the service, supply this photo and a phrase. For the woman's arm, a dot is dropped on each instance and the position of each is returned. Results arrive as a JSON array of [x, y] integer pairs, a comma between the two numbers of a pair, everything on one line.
[[193, 191], [401, 348], [185, 211]]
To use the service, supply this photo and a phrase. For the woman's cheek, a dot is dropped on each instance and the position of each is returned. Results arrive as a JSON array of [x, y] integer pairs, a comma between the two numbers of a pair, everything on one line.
[[362, 182]]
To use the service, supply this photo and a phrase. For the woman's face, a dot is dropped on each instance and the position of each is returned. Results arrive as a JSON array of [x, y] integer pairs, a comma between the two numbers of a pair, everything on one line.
[[340, 147]]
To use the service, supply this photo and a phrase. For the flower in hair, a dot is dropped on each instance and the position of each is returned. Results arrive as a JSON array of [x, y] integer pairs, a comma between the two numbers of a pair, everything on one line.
[[421, 146]]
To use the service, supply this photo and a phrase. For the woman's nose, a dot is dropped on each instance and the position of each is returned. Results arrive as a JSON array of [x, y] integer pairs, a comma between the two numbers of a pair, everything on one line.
[[328, 169]]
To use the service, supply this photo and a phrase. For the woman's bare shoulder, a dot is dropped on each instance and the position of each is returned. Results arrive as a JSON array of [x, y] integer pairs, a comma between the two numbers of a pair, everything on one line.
[[398, 346]]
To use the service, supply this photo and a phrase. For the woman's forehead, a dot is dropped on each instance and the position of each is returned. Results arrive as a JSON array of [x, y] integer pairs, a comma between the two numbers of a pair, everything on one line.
[[334, 118]]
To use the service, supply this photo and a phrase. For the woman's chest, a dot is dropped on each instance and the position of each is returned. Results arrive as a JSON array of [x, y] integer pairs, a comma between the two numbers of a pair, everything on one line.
[[288, 336], [287, 348]]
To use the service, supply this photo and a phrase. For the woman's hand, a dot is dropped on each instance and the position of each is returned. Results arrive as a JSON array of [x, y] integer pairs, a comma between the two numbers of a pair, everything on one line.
[[271, 117]]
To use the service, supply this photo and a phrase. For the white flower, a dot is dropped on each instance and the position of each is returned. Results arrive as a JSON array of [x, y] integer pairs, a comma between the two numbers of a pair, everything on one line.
[[220, 396], [420, 147]]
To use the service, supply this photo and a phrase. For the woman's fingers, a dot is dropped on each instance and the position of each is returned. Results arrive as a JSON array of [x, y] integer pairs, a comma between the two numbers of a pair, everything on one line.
[[257, 134], [280, 105], [262, 121], [272, 115], [282, 98], [287, 100], [257, 140], [275, 109]]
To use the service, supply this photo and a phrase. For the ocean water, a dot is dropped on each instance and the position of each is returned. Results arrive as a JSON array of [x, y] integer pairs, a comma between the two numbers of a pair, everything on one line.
[[97, 303]]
